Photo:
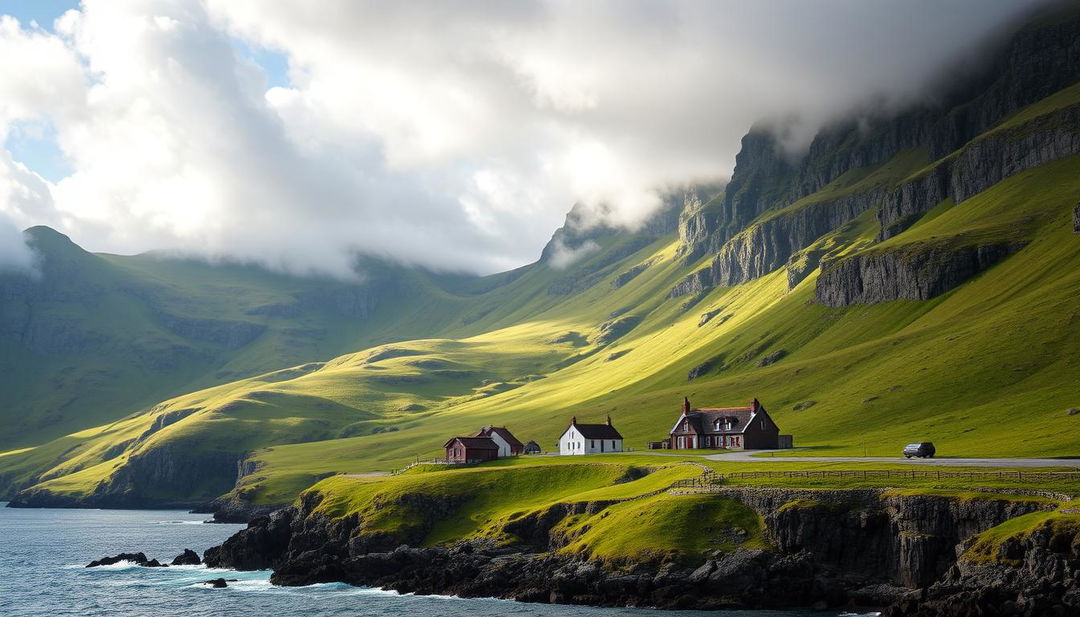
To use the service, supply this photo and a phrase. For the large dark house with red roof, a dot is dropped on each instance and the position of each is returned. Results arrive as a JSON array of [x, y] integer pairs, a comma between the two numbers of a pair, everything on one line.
[[731, 428]]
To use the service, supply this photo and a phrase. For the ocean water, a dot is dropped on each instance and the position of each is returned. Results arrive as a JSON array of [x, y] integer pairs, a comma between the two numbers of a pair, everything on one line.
[[43, 551]]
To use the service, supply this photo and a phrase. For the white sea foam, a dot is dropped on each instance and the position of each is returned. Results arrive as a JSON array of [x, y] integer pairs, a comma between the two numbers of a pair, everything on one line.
[[182, 523]]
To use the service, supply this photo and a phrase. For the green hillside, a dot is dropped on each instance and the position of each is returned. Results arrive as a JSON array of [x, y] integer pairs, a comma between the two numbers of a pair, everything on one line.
[[88, 339], [914, 299]]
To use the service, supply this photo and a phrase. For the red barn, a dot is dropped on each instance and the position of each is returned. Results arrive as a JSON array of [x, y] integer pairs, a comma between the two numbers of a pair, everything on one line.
[[471, 450]]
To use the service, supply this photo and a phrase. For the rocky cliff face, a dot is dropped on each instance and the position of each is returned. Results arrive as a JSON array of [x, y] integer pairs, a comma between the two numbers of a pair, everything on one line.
[[831, 548], [769, 244], [1036, 575], [1037, 61], [912, 273], [980, 165]]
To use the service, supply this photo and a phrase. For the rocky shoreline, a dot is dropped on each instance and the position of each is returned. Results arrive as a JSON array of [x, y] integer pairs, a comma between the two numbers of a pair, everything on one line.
[[855, 549]]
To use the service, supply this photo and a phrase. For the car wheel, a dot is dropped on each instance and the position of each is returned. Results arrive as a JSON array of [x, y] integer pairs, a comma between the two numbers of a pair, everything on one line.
[[907, 456]]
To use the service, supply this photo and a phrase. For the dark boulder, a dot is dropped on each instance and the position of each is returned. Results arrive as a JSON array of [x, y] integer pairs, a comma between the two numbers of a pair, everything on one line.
[[136, 558], [772, 358], [187, 558], [219, 583], [258, 547]]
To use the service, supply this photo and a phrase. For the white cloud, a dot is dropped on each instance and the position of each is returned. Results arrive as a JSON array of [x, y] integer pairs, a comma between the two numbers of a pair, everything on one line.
[[14, 253], [453, 135], [563, 256]]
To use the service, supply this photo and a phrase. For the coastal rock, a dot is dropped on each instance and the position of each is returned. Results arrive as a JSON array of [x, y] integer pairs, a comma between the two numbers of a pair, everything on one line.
[[833, 547], [258, 547], [1038, 574], [219, 583], [187, 558], [136, 558]]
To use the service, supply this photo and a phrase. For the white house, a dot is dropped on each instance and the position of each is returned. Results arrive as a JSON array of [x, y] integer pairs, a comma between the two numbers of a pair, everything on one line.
[[590, 438]]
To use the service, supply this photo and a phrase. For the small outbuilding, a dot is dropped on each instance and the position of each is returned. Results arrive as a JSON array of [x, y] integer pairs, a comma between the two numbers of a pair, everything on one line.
[[532, 448], [590, 438], [471, 449]]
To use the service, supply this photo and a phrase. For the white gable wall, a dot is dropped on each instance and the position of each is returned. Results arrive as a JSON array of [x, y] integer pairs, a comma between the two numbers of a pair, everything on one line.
[[572, 442], [504, 448]]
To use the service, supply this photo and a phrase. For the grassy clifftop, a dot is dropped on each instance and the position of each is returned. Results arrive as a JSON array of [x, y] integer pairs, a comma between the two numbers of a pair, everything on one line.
[[617, 508], [610, 511]]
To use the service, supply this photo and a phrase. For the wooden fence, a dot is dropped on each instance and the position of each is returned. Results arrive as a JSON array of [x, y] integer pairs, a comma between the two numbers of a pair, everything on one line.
[[712, 478]]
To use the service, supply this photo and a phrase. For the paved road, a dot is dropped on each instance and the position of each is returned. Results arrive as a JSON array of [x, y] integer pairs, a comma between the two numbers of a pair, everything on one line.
[[755, 456]]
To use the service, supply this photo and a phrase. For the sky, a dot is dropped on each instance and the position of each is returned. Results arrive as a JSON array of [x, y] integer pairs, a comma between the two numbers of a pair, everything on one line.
[[450, 135]]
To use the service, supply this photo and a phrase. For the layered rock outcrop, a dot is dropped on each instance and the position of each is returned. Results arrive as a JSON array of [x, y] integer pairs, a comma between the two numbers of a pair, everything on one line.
[[980, 165], [1036, 575], [910, 273]]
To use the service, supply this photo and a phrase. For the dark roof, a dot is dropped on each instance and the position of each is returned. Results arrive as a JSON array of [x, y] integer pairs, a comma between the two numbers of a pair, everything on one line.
[[598, 431], [503, 432], [704, 420], [532, 445], [474, 443]]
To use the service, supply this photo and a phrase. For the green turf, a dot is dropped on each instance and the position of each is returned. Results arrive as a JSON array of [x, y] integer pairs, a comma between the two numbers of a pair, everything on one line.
[[987, 547]]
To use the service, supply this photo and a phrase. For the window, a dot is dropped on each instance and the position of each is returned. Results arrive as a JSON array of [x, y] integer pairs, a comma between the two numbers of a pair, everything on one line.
[[685, 425], [612, 444], [592, 444]]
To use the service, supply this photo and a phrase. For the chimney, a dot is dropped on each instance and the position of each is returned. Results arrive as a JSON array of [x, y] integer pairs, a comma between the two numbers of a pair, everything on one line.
[[686, 404], [609, 420], [573, 420], [755, 405]]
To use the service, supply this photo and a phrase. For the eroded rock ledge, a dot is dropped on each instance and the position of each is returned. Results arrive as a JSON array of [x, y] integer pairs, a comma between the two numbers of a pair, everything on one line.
[[911, 273]]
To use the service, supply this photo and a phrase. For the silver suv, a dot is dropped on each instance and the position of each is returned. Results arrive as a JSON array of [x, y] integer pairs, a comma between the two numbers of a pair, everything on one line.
[[923, 449]]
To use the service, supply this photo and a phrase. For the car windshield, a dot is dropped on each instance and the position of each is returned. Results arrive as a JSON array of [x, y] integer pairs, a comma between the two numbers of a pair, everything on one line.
[[914, 446]]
